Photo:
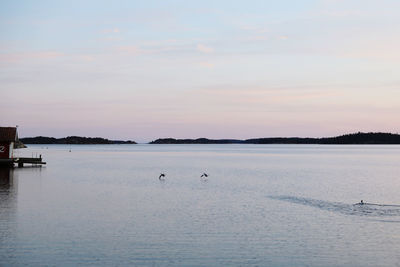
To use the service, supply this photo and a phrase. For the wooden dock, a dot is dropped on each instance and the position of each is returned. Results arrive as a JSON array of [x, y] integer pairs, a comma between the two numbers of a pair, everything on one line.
[[20, 161]]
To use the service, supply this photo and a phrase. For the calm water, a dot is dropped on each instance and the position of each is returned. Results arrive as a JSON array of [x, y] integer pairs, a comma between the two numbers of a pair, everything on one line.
[[262, 205]]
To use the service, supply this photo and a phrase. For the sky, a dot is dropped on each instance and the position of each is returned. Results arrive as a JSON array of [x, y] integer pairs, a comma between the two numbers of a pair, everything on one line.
[[142, 70]]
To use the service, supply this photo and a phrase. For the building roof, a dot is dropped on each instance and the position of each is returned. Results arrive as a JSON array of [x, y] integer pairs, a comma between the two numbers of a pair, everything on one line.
[[8, 134]]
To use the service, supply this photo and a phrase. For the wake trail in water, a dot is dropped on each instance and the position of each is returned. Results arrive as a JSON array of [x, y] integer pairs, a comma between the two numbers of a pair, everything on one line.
[[381, 211], [380, 205]]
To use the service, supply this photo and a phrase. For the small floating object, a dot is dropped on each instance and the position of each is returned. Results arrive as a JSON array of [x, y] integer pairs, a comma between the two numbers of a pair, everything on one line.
[[162, 176]]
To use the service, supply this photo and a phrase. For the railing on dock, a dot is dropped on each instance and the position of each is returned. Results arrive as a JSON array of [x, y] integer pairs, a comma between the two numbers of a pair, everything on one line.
[[20, 161], [33, 161]]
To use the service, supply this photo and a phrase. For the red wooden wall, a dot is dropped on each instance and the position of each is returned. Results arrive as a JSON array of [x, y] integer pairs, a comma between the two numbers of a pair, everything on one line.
[[4, 150]]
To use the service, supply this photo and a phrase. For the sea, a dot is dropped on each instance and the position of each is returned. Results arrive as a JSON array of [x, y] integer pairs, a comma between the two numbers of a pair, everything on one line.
[[260, 205]]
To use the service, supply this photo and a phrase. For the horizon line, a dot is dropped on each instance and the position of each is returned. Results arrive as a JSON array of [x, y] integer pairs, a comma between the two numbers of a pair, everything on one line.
[[234, 139]]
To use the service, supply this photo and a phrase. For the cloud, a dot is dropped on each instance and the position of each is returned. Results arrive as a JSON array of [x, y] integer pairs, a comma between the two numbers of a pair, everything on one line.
[[207, 65], [254, 29], [16, 57], [111, 38], [204, 49], [140, 50], [131, 49], [257, 38], [114, 30], [87, 57]]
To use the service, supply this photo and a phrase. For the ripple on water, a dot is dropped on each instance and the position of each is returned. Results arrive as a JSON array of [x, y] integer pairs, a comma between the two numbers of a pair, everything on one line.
[[380, 211]]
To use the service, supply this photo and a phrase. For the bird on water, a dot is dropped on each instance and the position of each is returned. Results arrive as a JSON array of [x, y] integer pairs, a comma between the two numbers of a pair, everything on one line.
[[204, 175], [162, 176]]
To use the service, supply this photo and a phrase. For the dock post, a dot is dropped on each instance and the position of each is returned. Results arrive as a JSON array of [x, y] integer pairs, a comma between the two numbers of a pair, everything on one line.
[[20, 164]]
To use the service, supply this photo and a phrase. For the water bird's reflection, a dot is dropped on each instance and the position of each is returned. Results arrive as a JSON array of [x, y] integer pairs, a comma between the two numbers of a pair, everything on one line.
[[365, 209]]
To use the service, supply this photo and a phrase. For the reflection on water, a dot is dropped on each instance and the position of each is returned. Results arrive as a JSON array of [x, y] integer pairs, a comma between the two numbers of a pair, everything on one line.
[[6, 175], [7, 212], [8, 187], [367, 209]]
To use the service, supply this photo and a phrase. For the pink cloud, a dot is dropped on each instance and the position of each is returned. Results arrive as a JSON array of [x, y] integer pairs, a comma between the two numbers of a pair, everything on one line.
[[131, 49], [114, 30], [87, 57], [17, 57], [204, 49], [207, 65]]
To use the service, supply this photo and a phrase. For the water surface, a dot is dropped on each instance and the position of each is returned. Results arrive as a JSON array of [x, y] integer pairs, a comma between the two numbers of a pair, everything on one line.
[[262, 205]]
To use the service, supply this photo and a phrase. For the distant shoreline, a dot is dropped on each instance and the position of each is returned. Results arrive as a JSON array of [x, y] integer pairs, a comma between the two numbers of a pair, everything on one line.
[[72, 140], [348, 139]]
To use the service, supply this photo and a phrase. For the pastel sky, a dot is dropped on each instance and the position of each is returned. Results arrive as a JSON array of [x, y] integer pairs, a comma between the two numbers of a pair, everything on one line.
[[142, 70]]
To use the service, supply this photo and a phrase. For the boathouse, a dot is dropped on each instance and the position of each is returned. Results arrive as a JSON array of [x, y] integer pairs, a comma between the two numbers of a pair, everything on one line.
[[8, 141]]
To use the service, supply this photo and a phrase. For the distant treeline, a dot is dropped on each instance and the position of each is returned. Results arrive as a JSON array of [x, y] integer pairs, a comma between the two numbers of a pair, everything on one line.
[[348, 139], [71, 140], [196, 141]]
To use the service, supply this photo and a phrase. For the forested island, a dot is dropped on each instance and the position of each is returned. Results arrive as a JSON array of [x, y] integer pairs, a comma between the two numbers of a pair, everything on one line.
[[348, 139], [72, 140]]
